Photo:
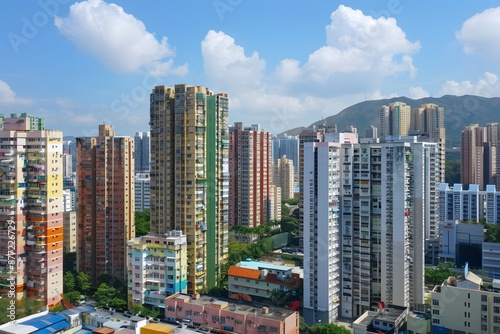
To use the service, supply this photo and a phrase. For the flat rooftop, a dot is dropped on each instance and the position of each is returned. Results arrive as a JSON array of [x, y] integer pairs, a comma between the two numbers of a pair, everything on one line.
[[254, 308], [389, 314], [259, 265]]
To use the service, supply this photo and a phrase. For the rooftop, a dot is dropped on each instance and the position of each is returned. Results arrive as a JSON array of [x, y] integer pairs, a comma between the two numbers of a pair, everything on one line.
[[389, 314], [274, 313], [259, 265]]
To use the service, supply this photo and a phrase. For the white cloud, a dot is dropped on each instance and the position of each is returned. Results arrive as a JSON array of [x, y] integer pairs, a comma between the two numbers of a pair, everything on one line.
[[480, 34], [116, 38], [359, 54], [418, 93], [226, 63], [288, 71], [488, 86], [8, 96], [357, 43]]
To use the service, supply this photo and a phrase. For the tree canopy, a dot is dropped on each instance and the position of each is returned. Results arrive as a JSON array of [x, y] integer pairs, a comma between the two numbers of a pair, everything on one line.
[[436, 276], [142, 222]]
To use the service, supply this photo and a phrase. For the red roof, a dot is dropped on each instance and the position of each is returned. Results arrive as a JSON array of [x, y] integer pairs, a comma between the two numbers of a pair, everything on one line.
[[243, 272]]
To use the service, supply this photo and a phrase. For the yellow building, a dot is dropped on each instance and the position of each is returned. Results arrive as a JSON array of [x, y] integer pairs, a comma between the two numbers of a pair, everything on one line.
[[189, 186], [466, 304], [156, 329]]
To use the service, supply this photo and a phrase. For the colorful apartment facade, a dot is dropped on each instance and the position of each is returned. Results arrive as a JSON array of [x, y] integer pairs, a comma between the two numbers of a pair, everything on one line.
[[157, 268], [250, 175], [260, 279], [213, 314], [189, 183], [106, 218], [31, 208]]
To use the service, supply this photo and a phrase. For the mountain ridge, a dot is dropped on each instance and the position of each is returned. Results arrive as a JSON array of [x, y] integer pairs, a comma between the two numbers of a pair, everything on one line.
[[459, 111]]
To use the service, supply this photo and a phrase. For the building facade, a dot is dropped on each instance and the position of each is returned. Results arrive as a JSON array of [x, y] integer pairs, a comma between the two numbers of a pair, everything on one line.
[[479, 154], [321, 232], [304, 137], [213, 314], [286, 145], [70, 232], [428, 122], [395, 120], [284, 177], [142, 191], [31, 208], [190, 175], [384, 214], [250, 175], [106, 219], [463, 305], [157, 268], [142, 142], [261, 279], [472, 204]]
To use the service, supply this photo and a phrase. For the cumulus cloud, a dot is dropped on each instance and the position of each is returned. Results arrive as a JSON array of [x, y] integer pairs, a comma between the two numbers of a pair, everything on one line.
[[418, 93], [480, 34], [487, 86], [116, 38], [360, 52], [359, 43], [225, 61], [8, 96]]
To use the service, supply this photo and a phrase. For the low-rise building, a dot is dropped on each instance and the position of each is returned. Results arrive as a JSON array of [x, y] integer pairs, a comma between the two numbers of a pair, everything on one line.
[[221, 315], [384, 320], [465, 304], [491, 259], [461, 243], [157, 268], [260, 279]]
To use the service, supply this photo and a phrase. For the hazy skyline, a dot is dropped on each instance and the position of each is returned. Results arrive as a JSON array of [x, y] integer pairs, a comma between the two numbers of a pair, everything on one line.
[[283, 63]]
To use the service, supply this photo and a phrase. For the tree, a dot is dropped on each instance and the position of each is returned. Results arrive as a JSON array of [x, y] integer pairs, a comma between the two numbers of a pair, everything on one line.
[[109, 296], [327, 329], [436, 276], [68, 282], [83, 283], [136, 308], [142, 222], [73, 297], [57, 308], [28, 306]]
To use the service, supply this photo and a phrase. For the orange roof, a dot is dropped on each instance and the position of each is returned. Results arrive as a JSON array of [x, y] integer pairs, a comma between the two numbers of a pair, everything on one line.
[[243, 272]]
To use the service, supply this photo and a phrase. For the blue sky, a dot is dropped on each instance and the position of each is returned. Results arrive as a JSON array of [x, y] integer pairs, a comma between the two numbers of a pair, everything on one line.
[[283, 63]]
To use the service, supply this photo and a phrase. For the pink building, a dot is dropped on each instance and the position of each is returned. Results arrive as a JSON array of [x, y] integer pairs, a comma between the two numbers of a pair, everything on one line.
[[250, 176], [231, 317]]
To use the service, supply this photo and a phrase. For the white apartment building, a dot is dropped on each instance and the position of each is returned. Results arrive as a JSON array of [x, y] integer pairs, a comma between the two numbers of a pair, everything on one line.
[[157, 268], [473, 204], [142, 191], [385, 213], [321, 232]]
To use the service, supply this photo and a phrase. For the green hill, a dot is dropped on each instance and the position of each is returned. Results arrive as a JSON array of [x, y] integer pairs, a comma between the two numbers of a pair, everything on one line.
[[459, 111]]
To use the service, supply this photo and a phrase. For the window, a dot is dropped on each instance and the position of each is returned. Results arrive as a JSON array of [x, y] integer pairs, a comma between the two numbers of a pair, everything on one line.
[[435, 302], [435, 321], [496, 309], [484, 298], [436, 312], [484, 308], [273, 329], [496, 300]]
